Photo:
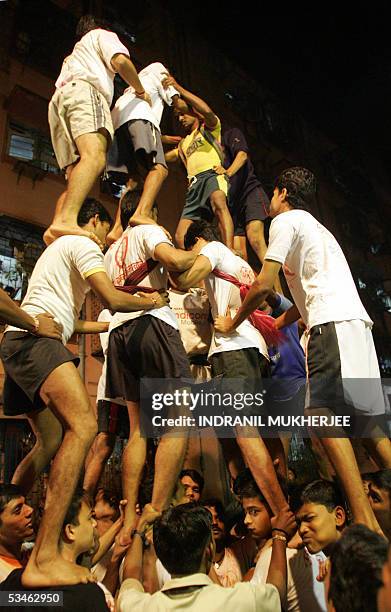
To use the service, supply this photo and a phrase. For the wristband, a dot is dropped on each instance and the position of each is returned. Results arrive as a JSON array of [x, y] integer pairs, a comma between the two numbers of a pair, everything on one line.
[[281, 531], [139, 533], [280, 538]]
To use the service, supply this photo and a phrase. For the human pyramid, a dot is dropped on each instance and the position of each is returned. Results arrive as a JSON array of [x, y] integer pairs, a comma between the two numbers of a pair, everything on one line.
[[192, 311]]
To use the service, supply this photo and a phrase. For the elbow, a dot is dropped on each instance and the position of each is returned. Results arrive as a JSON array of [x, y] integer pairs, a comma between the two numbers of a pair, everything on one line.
[[119, 61]]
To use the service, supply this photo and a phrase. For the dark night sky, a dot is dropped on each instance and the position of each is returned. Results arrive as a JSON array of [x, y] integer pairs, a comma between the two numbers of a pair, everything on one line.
[[331, 61]]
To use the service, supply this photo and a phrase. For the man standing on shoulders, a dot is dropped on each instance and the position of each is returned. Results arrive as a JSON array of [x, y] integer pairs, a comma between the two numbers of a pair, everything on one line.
[[200, 152], [79, 117]]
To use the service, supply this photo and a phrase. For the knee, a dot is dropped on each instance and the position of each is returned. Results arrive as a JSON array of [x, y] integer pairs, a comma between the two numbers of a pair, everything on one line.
[[86, 430], [96, 159], [48, 446]]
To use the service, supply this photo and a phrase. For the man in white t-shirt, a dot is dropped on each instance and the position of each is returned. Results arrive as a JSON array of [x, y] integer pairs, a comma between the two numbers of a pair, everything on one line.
[[137, 149], [79, 116], [343, 371], [43, 382], [240, 357], [145, 347]]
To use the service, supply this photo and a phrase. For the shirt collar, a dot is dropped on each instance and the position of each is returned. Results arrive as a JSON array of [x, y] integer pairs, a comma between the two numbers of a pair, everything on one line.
[[187, 581]]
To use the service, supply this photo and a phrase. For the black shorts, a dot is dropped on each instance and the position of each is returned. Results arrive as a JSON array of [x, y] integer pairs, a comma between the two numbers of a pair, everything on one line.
[[113, 419], [135, 142], [242, 372], [197, 205], [28, 360], [253, 207], [145, 347]]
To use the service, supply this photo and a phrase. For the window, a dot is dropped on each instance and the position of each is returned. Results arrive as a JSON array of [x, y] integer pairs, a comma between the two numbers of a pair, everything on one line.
[[32, 146], [20, 246]]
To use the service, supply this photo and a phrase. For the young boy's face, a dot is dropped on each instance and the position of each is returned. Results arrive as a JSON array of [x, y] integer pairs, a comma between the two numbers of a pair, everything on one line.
[[380, 501], [257, 517], [318, 526]]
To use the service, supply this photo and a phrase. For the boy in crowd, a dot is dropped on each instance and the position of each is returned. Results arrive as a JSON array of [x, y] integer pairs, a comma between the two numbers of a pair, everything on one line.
[[184, 543], [242, 356], [354, 579], [79, 117], [339, 328], [42, 380], [226, 563], [193, 484], [77, 535], [137, 150], [379, 493], [200, 152], [303, 592], [15, 528]]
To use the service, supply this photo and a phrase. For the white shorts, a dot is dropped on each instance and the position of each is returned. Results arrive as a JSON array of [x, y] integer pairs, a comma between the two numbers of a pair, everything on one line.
[[342, 368]]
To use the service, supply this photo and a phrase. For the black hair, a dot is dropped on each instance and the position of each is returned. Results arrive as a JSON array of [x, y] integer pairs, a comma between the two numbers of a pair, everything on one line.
[[214, 502], [357, 559], [382, 480], [200, 229], [89, 209], [245, 486], [320, 492], [180, 537], [87, 23], [72, 515], [300, 184], [194, 475], [129, 203], [109, 498], [7, 493]]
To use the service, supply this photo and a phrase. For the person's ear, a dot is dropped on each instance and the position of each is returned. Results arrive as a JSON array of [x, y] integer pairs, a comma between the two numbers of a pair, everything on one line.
[[340, 516], [283, 194], [69, 533]]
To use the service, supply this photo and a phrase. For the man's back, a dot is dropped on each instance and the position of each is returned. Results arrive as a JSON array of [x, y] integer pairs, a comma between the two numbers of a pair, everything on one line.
[[135, 247], [90, 61], [197, 592], [128, 107], [225, 297], [315, 267]]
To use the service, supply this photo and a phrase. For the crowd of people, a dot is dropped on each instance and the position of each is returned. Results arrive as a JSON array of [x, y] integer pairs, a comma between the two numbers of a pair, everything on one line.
[[191, 311]]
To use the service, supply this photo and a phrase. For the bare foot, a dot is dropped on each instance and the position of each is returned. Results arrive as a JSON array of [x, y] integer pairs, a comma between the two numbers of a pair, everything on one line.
[[57, 572], [55, 231]]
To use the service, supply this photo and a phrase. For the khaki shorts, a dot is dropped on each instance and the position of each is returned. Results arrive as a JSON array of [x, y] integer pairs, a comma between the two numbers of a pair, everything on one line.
[[76, 108]]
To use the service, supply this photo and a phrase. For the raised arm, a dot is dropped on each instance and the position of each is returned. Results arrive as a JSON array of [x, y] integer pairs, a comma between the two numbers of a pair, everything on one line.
[[197, 103], [283, 528]]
